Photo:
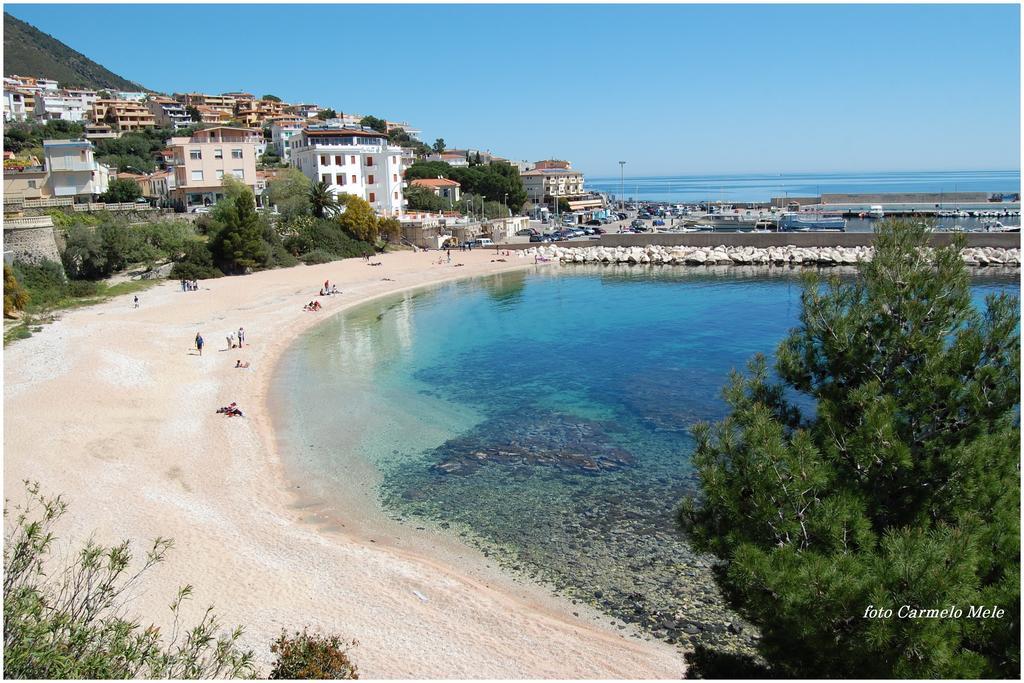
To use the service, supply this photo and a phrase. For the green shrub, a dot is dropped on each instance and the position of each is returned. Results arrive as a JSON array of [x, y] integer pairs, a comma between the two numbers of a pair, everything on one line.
[[45, 283], [317, 257], [196, 263], [15, 296], [322, 234], [312, 656], [82, 288], [69, 622]]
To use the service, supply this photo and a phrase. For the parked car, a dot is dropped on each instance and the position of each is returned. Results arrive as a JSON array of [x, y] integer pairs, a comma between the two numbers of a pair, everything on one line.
[[525, 232], [637, 223], [599, 231], [622, 216], [659, 222], [540, 238], [594, 221]]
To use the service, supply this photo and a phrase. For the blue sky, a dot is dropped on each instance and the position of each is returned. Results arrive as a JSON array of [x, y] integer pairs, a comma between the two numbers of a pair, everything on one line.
[[669, 89]]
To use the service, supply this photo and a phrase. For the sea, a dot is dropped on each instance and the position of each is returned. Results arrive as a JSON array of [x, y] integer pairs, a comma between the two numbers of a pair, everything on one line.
[[759, 187], [545, 417]]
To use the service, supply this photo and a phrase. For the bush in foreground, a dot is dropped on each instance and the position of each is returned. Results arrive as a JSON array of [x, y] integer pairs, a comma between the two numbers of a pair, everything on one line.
[[71, 623], [312, 656], [900, 488]]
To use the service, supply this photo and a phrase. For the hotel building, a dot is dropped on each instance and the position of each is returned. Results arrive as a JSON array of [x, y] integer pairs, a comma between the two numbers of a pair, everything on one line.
[[355, 161]]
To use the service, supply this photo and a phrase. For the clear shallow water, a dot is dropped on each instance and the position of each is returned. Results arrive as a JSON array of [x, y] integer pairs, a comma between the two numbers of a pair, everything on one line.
[[547, 415], [755, 187]]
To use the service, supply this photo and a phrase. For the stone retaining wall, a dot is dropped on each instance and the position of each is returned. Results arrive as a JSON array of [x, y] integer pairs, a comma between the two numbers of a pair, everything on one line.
[[30, 243], [778, 239]]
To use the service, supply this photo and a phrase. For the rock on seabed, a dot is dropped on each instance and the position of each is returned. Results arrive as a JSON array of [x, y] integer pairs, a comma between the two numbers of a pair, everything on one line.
[[743, 255]]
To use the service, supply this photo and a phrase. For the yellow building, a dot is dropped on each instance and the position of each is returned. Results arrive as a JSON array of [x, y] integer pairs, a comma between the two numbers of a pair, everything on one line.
[[124, 115]]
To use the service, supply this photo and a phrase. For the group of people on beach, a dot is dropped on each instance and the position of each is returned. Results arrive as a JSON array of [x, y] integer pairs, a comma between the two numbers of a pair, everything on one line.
[[312, 306], [329, 289], [189, 285], [231, 410], [241, 339]]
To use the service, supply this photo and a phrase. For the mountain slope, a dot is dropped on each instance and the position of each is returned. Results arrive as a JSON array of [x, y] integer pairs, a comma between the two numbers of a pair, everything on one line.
[[30, 52]]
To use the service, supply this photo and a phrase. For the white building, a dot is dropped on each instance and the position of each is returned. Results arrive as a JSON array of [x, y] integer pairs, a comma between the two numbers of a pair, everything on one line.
[[64, 105], [73, 169], [281, 134], [14, 106], [354, 161], [131, 96], [552, 180]]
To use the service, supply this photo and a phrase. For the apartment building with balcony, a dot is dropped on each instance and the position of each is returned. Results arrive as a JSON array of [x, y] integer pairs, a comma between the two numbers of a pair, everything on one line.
[[201, 162], [282, 130], [255, 113], [64, 105], [552, 180], [306, 111], [29, 83], [15, 105], [124, 115], [73, 170], [355, 161], [169, 113], [224, 103]]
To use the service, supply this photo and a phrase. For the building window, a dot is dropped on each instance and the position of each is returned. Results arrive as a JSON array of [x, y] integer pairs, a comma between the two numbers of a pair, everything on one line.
[[220, 175], [338, 160], [218, 154], [325, 179], [236, 154], [354, 181], [369, 161], [323, 160], [394, 160], [239, 173], [341, 179], [369, 181], [32, 184], [195, 154], [396, 195], [197, 175], [373, 197], [353, 159]]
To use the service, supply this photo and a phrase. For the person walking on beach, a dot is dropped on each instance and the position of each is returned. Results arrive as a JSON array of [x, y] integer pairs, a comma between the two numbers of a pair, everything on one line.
[[199, 343], [449, 256], [136, 301], [241, 337]]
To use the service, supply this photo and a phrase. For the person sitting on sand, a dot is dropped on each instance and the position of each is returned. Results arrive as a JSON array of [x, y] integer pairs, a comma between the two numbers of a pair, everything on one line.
[[334, 289], [240, 364]]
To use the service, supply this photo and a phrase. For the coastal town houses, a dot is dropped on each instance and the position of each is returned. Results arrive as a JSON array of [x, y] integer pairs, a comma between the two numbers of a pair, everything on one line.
[[551, 180], [73, 170], [123, 115], [168, 113], [442, 187], [64, 105], [306, 111], [14, 106], [24, 179], [455, 158], [355, 161], [255, 113], [201, 162], [282, 130], [221, 103]]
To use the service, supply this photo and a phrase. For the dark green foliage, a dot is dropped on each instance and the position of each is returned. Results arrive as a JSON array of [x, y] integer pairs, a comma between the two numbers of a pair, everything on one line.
[[69, 623], [398, 136], [439, 145], [133, 152], [29, 51], [323, 235], [28, 135], [379, 125], [83, 255], [422, 199], [563, 205], [15, 296], [902, 487], [271, 98], [121, 190], [325, 114], [317, 257], [306, 656], [196, 263], [493, 180], [45, 283], [390, 229], [194, 113], [290, 193], [322, 201], [238, 245]]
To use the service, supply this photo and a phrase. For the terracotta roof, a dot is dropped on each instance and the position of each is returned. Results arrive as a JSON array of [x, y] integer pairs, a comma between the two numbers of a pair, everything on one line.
[[551, 171], [435, 182], [349, 132]]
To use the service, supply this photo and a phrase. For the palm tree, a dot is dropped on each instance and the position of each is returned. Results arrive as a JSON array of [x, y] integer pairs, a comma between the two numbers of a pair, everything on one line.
[[322, 200]]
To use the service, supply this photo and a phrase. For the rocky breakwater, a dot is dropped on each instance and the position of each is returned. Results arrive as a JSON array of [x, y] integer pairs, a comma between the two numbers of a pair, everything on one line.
[[732, 255]]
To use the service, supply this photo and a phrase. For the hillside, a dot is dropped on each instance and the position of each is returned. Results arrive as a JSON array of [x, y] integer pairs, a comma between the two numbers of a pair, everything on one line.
[[30, 52]]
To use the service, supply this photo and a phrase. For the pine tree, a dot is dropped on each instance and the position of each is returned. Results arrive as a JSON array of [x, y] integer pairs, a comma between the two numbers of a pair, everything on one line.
[[900, 487], [238, 244]]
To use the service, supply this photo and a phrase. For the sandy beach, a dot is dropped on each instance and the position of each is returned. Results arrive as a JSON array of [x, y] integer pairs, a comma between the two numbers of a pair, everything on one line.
[[112, 407]]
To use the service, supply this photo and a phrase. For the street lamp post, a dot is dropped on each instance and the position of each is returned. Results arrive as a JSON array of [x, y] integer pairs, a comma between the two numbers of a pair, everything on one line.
[[622, 185]]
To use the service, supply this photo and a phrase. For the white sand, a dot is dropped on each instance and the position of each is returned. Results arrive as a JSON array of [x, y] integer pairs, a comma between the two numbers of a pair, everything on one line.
[[108, 407]]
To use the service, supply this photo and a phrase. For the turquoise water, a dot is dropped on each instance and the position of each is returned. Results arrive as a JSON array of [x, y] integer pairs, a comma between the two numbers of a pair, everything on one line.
[[546, 415], [757, 187]]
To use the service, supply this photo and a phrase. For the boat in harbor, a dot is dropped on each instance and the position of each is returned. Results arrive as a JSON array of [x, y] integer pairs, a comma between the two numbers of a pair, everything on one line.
[[791, 221], [996, 226]]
